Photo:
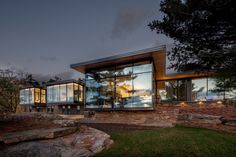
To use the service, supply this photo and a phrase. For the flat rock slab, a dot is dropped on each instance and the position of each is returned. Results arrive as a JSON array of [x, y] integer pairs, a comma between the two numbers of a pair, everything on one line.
[[16, 137], [229, 121], [85, 142], [199, 118]]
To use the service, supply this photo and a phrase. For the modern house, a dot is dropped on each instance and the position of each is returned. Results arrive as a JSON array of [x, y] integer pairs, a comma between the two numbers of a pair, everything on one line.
[[33, 99], [130, 81], [65, 97], [137, 80]]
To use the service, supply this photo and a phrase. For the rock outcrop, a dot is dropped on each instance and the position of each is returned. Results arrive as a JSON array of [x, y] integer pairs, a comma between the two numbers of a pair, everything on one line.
[[83, 143], [36, 134]]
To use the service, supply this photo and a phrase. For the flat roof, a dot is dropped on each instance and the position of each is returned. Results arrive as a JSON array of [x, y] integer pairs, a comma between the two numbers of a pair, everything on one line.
[[125, 58], [65, 82]]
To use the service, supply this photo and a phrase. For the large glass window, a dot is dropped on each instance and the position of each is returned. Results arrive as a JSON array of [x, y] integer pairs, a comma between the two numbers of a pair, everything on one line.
[[30, 96], [124, 89], [168, 90], [43, 96], [81, 93], [76, 92], [22, 97], [92, 93], [63, 92], [123, 86], [199, 89], [214, 94], [37, 95], [67, 92], [70, 92], [142, 90]]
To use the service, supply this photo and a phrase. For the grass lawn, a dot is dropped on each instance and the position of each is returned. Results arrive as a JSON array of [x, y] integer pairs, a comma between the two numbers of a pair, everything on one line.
[[179, 141]]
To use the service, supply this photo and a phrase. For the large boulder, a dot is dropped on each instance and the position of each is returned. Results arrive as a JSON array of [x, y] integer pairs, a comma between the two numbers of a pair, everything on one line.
[[229, 121], [83, 143], [31, 149], [36, 134]]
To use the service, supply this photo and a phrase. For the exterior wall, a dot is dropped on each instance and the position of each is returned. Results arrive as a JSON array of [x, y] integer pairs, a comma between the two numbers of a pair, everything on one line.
[[65, 109]]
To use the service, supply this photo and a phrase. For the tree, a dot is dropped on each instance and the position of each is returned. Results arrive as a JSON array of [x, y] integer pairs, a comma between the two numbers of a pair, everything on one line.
[[9, 91], [205, 36]]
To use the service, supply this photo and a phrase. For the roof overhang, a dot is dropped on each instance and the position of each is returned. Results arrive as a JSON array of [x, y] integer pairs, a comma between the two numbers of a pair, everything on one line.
[[131, 57]]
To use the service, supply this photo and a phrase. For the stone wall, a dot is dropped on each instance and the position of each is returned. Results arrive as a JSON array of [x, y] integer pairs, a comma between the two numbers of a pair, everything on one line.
[[168, 115], [161, 116]]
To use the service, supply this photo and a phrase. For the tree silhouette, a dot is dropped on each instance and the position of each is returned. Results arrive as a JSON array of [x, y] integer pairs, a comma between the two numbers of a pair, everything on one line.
[[205, 36]]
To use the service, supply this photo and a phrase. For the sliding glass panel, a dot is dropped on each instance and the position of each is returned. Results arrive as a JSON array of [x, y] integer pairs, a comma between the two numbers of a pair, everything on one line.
[[106, 91], [62, 92], [199, 89], [56, 93], [124, 70], [37, 95], [142, 93], [124, 89], [141, 68], [213, 93], [76, 92], [171, 92], [182, 90], [22, 96], [92, 94], [43, 96], [49, 94], [81, 93], [31, 96], [70, 92]]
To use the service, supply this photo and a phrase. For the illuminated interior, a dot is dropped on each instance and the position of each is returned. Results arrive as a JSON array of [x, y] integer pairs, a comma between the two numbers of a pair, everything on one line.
[[197, 89], [32, 96], [126, 86], [65, 93]]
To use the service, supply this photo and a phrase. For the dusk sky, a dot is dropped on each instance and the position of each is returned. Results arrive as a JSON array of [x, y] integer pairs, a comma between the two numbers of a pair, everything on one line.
[[44, 37]]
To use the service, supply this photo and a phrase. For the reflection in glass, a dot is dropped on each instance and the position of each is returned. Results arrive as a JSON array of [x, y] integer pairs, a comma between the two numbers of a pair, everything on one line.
[[230, 94], [212, 93], [106, 90], [81, 93], [31, 95], [199, 89], [123, 92], [126, 86], [142, 90], [170, 92], [70, 92], [142, 68], [22, 97], [92, 93], [62, 92]]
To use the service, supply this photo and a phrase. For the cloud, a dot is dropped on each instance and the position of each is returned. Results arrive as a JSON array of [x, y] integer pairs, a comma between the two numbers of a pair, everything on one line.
[[66, 75], [47, 58], [127, 21]]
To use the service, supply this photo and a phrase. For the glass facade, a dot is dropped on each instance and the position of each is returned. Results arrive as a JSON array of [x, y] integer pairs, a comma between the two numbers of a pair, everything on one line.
[[126, 86], [32, 96], [201, 89], [64, 93], [168, 90]]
